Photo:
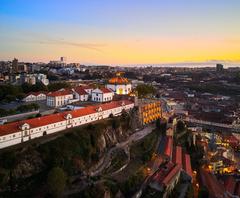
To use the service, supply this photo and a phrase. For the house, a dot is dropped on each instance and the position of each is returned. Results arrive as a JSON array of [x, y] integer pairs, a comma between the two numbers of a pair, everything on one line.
[[88, 89], [166, 178], [35, 96], [102, 95], [80, 94], [215, 188], [59, 98]]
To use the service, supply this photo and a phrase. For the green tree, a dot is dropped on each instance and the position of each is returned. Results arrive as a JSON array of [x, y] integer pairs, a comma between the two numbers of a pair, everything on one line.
[[56, 181], [57, 86], [145, 90], [180, 126]]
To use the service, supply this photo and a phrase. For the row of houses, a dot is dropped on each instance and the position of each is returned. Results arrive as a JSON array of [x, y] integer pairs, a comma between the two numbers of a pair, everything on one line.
[[25, 130], [67, 96], [116, 85], [174, 163]]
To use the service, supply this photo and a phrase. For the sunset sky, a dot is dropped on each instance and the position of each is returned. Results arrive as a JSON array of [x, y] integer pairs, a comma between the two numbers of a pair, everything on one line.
[[120, 31]]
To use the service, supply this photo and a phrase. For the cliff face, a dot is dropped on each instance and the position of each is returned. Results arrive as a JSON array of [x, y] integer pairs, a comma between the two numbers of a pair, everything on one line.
[[110, 137], [86, 146]]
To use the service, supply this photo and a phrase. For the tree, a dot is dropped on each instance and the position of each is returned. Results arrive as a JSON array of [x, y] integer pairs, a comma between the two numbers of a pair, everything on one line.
[[161, 126], [203, 192], [145, 90], [56, 181], [115, 123], [9, 162], [180, 126], [57, 86]]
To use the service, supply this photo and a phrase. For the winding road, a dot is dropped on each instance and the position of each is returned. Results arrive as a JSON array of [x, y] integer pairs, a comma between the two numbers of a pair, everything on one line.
[[133, 138]]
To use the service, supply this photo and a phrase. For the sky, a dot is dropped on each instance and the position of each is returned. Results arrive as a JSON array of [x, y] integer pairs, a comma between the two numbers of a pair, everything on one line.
[[120, 32]]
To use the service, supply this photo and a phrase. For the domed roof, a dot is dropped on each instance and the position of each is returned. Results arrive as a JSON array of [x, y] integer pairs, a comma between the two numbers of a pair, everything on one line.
[[118, 79]]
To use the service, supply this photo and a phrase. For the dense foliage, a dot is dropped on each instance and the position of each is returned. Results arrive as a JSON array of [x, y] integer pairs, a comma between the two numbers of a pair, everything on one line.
[[145, 90], [10, 93], [19, 109], [56, 181]]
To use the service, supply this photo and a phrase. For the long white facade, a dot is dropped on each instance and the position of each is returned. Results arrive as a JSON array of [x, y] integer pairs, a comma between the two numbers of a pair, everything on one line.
[[18, 132]]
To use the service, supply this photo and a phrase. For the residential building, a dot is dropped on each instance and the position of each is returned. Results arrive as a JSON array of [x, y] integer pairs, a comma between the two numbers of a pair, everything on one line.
[[102, 95], [166, 178], [35, 96], [15, 65], [33, 79], [80, 93], [59, 98], [215, 187]]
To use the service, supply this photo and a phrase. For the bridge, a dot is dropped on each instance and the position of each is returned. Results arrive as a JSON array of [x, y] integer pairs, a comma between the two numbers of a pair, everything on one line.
[[233, 128]]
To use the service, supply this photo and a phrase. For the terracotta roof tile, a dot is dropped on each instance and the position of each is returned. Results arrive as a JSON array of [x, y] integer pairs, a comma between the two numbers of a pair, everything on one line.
[[168, 146], [60, 93], [177, 155], [230, 184], [80, 90], [53, 118]]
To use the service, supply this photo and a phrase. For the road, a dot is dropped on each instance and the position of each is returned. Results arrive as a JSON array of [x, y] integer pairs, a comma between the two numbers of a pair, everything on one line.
[[154, 168], [133, 138]]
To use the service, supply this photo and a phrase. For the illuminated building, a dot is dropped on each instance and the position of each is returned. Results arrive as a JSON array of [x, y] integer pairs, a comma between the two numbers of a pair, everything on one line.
[[150, 110], [119, 85]]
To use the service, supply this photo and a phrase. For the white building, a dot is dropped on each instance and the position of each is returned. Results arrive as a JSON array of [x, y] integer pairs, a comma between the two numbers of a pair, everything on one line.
[[59, 98], [119, 85], [35, 96], [88, 89], [33, 79], [25, 130], [102, 95], [80, 94]]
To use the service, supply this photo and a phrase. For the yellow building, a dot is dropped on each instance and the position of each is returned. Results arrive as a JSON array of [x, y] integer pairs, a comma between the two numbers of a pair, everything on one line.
[[150, 111]]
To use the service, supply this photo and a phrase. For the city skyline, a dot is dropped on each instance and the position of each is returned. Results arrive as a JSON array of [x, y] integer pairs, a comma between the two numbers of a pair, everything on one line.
[[121, 32]]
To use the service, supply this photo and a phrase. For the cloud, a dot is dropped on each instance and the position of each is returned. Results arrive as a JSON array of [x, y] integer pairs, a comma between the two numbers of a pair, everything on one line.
[[90, 46]]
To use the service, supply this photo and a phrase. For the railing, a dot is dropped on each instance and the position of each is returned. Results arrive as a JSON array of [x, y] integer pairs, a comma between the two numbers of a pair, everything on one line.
[[228, 126]]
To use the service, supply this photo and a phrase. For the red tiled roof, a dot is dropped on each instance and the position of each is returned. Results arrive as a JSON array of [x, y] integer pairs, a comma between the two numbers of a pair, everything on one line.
[[118, 80], [215, 188], [237, 190], [60, 93], [230, 184], [162, 173], [187, 165], [53, 118], [80, 90], [168, 147], [36, 93], [177, 155], [86, 87], [105, 90], [171, 174]]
